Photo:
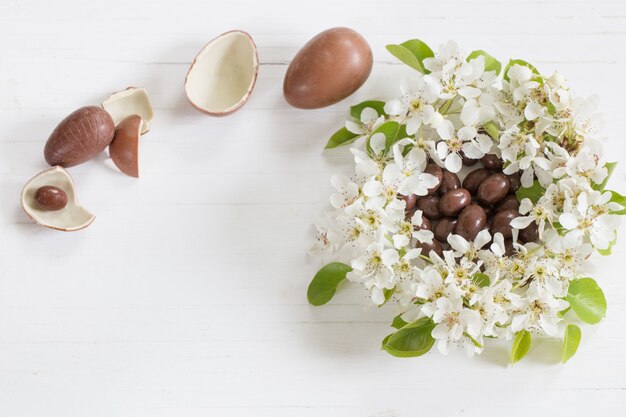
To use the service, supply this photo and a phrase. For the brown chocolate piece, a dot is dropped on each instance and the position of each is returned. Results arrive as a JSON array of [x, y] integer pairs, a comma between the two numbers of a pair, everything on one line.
[[436, 171], [468, 162], [79, 137], [410, 201], [450, 181], [530, 233], [124, 149], [444, 228], [471, 221], [50, 198], [493, 189], [474, 178], [509, 202], [515, 182], [491, 161], [501, 222], [452, 202], [427, 247], [426, 224], [330, 67], [429, 204]]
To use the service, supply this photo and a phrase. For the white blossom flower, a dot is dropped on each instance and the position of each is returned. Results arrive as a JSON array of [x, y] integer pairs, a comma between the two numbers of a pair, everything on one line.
[[592, 218], [537, 313], [416, 104], [466, 139], [537, 213], [369, 121], [455, 326], [408, 170]]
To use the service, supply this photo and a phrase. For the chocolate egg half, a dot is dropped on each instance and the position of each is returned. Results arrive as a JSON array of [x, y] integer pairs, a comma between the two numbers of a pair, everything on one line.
[[79, 137], [330, 67]]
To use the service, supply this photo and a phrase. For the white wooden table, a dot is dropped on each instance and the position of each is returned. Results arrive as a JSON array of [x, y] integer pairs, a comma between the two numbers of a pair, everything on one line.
[[186, 297]]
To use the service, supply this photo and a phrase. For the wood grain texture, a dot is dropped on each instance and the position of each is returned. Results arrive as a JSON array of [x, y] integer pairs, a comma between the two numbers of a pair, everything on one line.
[[186, 297]]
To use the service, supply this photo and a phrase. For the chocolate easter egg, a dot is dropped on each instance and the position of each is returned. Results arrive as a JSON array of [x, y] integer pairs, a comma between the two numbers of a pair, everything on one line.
[[79, 137], [330, 67]]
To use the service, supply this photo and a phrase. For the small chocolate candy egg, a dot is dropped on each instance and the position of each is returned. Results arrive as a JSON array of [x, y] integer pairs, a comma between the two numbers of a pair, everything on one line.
[[509, 202], [491, 161], [429, 204], [329, 68], [493, 189], [452, 202], [449, 181], [530, 233], [501, 222], [515, 182], [444, 228], [437, 172], [425, 225], [410, 201], [509, 250], [474, 178], [50, 198], [471, 221], [468, 162], [427, 247]]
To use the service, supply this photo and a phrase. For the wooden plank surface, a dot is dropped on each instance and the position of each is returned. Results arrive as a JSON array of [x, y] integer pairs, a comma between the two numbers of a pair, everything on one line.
[[186, 297]]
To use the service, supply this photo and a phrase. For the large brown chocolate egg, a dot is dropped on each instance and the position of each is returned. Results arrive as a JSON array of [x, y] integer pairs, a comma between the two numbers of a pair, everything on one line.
[[330, 67], [79, 137]]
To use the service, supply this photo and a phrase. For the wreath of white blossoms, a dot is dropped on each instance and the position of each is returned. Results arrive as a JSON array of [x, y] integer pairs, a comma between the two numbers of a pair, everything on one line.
[[457, 106]]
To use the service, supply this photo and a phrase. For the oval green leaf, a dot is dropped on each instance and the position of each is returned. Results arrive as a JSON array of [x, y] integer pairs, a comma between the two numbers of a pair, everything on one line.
[[412, 340], [341, 137], [610, 167], [587, 300], [480, 279], [491, 64], [324, 284], [522, 63], [356, 110], [570, 342], [534, 192], [521, 345], [398, 322], [412, 53]]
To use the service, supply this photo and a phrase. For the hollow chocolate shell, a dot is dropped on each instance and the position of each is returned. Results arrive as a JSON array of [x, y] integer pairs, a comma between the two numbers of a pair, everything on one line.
[[133, 100], [79, 137], [222, 76], [69, 218], [329, 68], [124, 150]]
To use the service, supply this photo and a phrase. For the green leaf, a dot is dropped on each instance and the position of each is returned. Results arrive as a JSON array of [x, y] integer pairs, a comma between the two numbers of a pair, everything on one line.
[[521, 345], [393, 132], [341, 137], [534, 192], [324, 284], [610, 167], [570, 342], [492, 130], [398, 323], [491, 64], [523, 63], [412, 340], [356, 110], [412, 53], [482, 280], [587, 300], [607, 251], [619, 199]]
